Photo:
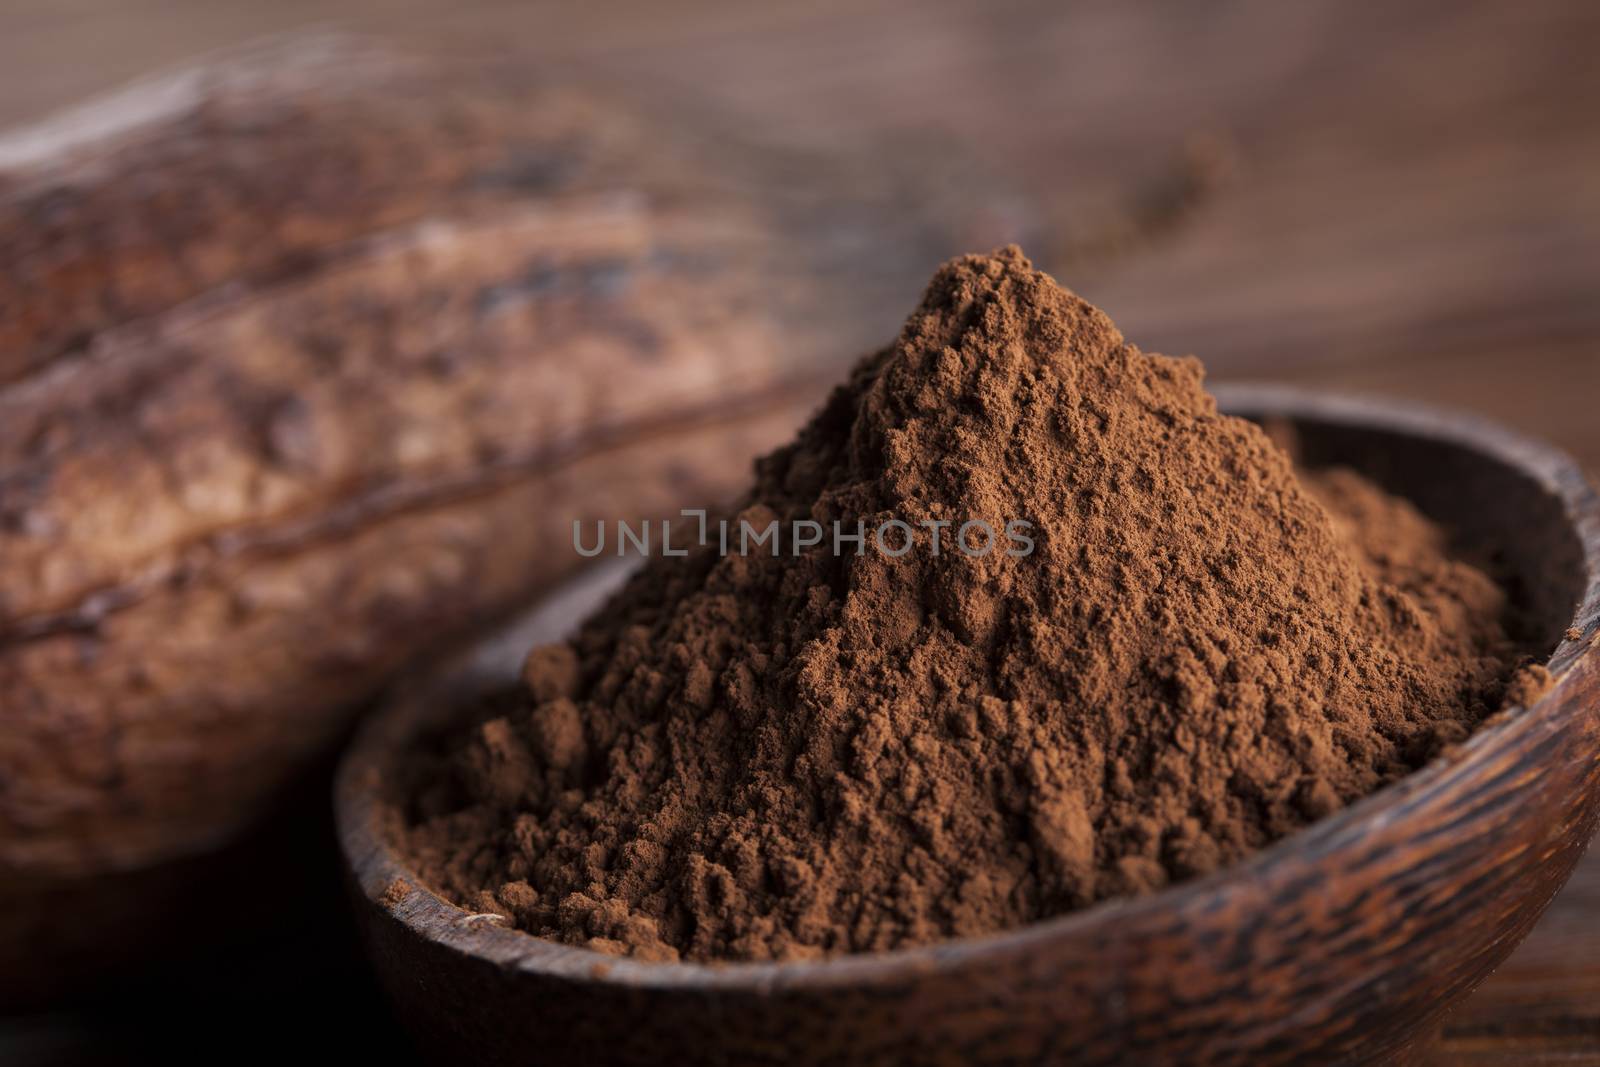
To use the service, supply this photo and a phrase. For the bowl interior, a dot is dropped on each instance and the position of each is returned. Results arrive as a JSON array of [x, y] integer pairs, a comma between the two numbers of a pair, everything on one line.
[[1494, 511]]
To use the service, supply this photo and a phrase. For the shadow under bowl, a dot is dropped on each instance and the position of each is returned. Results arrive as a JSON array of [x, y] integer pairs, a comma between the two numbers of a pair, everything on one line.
[[1343, 942]]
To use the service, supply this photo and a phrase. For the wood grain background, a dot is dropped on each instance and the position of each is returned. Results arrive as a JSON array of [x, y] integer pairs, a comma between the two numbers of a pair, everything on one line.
[[1402, 198]]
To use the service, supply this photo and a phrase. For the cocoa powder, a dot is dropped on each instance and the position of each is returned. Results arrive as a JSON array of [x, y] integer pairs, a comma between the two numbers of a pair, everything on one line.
[[779, 757]]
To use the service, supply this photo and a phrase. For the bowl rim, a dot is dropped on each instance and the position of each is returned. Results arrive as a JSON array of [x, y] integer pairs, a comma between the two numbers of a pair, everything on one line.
[[374, 866]]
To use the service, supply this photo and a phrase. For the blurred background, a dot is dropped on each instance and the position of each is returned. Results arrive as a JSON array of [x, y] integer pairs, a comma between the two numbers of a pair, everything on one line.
[[1413, 201], [1398, 198]]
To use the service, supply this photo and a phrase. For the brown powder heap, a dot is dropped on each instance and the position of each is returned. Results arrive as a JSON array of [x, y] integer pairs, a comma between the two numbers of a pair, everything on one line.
[[753, 757]]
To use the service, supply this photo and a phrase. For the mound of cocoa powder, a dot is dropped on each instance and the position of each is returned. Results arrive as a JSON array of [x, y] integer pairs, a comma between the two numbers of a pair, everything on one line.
[[758, 756]]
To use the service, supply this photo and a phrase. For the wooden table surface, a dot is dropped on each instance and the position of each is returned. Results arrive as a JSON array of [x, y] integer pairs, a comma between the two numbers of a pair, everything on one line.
[[1399, 198]]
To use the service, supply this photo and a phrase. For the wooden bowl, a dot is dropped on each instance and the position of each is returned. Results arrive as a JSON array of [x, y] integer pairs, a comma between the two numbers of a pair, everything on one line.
[[1341, 943]]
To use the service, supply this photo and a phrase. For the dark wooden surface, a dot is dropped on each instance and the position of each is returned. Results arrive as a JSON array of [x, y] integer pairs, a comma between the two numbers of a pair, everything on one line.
[[1412, 207]]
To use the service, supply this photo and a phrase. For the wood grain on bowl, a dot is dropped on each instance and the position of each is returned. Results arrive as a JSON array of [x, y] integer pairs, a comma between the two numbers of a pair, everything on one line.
[[1345, 942]]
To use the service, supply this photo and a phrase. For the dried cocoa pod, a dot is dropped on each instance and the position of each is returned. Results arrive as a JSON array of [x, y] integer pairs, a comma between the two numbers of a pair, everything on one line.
[[226, 467], [309, 359]]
